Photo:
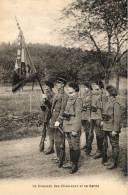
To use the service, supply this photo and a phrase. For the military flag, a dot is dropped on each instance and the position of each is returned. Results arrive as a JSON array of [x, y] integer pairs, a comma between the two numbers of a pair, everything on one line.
[[24, 70]]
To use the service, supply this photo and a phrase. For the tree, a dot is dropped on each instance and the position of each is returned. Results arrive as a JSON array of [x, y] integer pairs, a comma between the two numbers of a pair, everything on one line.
[[99, 20]]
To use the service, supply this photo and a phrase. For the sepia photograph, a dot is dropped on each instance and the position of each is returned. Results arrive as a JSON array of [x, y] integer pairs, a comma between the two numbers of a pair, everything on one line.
[[63, 97]]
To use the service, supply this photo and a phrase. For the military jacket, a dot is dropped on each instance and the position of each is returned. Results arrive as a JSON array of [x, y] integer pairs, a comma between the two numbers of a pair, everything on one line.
[[86, 106], [57, 109], [111, 115], [74, 108]]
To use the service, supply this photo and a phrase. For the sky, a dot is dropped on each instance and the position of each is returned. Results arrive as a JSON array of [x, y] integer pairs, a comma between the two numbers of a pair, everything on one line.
[[38, 20]]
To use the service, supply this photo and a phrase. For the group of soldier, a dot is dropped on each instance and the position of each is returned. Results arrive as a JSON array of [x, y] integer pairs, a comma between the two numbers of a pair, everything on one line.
[[67, 107]]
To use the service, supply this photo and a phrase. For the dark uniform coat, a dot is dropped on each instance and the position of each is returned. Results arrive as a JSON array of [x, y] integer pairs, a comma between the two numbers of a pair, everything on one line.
[[74, 108], [111, 115], [58, 105]]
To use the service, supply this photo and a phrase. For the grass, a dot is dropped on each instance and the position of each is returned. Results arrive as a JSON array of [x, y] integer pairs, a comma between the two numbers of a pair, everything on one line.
[[19, 114]]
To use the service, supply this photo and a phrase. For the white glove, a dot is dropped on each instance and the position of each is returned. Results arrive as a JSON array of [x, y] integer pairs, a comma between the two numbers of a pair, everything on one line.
[[114, 133], [44, 96], [74, 133], [57, 123], [101, 123]]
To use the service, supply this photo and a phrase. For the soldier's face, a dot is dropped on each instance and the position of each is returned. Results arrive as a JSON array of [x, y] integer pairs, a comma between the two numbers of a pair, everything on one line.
[[58, 86], [46, 89], [70, 91]]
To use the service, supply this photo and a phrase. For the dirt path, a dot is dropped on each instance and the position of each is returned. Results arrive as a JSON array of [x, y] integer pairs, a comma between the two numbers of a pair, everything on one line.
[[22, 159]]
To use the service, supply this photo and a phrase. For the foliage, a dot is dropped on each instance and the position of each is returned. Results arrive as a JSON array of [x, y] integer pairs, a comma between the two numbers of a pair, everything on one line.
[[73, 63], [101, 23]]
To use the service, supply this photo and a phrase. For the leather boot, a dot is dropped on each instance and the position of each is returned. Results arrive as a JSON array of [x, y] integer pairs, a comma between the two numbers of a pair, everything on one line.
[[99, 148], [97, 155], [104, 159], [115, 156], [89, 144], [75, 154], [86, 137], [61, 156]]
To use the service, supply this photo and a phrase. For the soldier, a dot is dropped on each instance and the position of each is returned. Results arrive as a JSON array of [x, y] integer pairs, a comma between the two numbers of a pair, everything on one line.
[[111, 127], [72, 123], [56, 112], [46, 110], [95, 122], [86, 110]]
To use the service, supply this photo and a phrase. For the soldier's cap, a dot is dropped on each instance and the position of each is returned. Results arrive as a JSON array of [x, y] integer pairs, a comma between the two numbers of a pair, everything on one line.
[[74, 85], [49, 83], [61, 80], [112, 90], [100, 83]]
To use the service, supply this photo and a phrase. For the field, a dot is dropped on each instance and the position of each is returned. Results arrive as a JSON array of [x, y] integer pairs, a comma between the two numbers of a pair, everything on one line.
[[20, 117], [19, 113]]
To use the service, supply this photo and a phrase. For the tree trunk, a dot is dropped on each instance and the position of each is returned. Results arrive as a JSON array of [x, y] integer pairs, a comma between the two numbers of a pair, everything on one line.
[[106, 78], [117, 81]]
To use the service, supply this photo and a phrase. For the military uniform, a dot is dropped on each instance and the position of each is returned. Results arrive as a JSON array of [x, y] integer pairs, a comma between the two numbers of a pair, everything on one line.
[[58, 109], [45, 117], [72, 127], [95, 123], [86, 114], [55, 134], [111, 122]]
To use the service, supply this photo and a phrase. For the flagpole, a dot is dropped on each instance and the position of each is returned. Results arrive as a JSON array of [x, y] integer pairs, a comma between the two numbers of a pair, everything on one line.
[[38, 79]]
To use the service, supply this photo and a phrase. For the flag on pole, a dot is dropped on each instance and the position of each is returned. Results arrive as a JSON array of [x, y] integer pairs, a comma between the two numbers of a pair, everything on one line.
[[24, 71]]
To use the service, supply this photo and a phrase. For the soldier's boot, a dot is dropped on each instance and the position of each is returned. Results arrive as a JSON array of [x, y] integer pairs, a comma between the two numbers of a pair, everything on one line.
[[67, 162], [115, 156], [104, 154], [89, 144], [50, 149], [99, 148], [67, 165], [86, 138], [104, 159], [74, 155], [61, 156], [41, 145]]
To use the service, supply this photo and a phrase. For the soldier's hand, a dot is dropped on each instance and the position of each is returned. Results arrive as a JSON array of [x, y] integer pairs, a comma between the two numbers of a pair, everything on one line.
[[114, 133], [44, 96], [57, 123], [101, 124], [74, 133]]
